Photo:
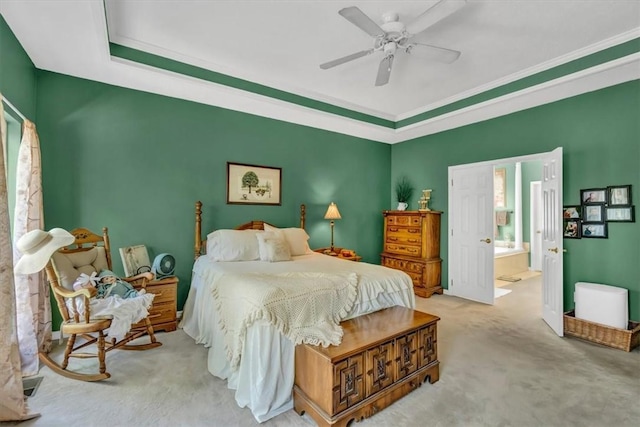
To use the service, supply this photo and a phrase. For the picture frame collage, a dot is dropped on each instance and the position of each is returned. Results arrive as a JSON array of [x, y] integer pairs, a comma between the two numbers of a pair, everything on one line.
[[598, 207]]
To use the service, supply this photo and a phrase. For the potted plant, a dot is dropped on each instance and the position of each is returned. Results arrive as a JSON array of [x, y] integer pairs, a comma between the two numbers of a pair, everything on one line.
[[404, 191]]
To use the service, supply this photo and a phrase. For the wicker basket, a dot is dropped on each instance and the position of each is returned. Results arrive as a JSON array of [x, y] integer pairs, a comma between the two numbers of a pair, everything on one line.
[[623, 339]]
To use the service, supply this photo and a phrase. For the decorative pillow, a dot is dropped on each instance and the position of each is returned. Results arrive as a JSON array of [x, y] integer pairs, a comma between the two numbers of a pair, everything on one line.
[[273, 248], [297, 239], [233, 245]]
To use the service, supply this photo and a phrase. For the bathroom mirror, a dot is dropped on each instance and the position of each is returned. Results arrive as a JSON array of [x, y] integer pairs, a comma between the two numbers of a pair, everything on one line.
[[499, 188]]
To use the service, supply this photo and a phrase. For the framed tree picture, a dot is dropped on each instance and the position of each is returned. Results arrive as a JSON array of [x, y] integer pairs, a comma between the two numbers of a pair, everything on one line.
[[253, 184]]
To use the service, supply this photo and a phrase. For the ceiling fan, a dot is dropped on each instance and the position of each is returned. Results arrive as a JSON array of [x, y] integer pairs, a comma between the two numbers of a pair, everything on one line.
[[393, 35]]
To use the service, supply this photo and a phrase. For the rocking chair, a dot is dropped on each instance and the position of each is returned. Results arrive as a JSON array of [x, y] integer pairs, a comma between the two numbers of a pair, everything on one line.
[[89, 253]]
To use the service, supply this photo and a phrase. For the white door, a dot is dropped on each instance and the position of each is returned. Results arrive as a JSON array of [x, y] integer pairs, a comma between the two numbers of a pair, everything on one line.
[[552, 265], [536, 226], [471, 232]]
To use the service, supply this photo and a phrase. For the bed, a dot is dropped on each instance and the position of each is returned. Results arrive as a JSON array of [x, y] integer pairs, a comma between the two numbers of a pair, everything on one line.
[[257, 357]]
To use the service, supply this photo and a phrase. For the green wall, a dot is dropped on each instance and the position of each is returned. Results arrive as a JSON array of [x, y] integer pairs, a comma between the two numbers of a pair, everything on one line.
[[137, 162], [18, 85], [17, 74], [599, 132]]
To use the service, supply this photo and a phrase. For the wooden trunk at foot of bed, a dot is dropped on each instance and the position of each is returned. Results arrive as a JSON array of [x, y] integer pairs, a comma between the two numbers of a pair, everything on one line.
[[383, 356], [200, 243]]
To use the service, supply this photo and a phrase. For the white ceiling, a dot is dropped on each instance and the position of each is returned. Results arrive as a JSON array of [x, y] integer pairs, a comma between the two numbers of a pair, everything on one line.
[[280, 44]]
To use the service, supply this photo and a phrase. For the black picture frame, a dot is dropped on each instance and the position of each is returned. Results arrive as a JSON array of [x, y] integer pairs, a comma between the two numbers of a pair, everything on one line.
[[253, 184], [593, 196], [572, 212], [593, 213], [619, 195], [572, 229], [620, 213], [594, 230]]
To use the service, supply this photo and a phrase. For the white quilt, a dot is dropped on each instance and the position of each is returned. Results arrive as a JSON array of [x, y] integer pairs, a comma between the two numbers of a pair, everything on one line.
[[264, 377], [304, 307]]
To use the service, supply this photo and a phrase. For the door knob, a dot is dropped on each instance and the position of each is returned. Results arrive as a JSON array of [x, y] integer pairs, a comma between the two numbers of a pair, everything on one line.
[[486, 240], [553, 250]]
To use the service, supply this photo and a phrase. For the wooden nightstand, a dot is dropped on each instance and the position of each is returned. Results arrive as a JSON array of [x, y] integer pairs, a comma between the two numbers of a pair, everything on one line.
[[337, 252], [165, 304]]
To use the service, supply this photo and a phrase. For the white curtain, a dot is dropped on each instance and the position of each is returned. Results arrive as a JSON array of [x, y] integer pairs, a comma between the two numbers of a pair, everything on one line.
[[32, 291], [13, 406]]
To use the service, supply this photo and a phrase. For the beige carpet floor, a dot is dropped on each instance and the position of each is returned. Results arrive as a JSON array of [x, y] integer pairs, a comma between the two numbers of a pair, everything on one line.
[[500, 366]]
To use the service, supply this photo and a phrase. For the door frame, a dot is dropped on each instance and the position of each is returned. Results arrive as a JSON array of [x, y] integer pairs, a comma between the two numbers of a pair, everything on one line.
[[452, 262]]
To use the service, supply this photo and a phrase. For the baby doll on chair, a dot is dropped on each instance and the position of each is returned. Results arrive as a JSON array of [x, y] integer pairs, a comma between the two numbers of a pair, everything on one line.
[[107, 284]]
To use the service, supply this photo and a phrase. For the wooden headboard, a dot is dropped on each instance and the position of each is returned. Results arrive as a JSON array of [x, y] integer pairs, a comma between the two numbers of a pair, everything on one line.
[[201, 243]]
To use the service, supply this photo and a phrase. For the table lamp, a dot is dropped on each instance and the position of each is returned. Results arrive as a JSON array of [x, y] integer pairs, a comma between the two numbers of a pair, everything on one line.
[[332, 214]]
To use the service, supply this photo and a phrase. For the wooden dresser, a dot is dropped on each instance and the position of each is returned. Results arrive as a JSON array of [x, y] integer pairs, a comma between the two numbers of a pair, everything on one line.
[[383, 356], [412, 244], [165, 304]]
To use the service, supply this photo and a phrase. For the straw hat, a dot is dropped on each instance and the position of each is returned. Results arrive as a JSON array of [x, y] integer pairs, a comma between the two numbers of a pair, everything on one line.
[[37, 246]]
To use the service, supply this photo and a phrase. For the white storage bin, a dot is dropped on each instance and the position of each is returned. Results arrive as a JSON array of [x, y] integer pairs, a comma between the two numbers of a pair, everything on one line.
[[607, 305]]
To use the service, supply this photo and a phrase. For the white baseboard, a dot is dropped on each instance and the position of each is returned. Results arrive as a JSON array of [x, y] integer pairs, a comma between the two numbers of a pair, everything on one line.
[[446, 292]]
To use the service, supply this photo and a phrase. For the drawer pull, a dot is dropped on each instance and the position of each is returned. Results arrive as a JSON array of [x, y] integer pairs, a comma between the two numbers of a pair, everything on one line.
[[412, 240], [413, 230], [393, 229], [412, 384], [393, 239]]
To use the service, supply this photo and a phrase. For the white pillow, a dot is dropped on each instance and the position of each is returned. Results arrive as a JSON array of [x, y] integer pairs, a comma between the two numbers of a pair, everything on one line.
[[273, 248], [297, 239], [233, 245]]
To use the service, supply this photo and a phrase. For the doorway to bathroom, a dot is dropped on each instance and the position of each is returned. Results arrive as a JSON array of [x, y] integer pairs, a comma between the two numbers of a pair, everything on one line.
[[472, 231]]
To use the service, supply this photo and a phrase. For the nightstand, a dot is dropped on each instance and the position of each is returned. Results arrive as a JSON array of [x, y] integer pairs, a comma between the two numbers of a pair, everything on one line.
[[337, 252], [165, 304]]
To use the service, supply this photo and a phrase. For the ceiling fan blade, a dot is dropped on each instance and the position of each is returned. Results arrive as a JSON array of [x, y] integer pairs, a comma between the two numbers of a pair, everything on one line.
[[439, 11], [384, 71], [433, 53], [344, 59], [362, 21]]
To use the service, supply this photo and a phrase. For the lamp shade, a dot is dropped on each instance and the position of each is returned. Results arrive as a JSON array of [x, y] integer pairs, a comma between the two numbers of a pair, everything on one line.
[[332, 212]]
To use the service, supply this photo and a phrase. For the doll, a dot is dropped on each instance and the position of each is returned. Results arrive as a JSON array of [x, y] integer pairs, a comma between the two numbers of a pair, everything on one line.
[[110, 284]]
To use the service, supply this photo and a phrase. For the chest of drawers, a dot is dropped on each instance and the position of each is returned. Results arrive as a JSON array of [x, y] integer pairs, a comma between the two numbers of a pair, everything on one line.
[[412, 244], [165, 303], [382, 357]]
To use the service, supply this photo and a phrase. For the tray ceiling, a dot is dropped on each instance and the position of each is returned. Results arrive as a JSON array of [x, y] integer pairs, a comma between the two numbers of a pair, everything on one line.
[[263, 57]]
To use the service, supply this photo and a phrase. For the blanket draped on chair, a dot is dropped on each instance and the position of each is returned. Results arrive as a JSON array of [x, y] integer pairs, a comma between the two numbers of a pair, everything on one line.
[[304, 307]]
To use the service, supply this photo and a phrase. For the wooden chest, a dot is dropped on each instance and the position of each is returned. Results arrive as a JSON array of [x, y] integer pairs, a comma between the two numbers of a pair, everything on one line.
[[382, 357], [412, 244], [165, 304]]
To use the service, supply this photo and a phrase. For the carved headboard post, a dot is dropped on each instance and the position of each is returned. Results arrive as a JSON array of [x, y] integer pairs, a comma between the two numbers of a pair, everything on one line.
[[303, 214], [198, 242]]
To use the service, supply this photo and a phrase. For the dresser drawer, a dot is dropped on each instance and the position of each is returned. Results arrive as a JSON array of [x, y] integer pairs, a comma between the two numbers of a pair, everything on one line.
[[406, 235], [404, 220], [401, 264], [163, 293], [403, 249], [161, 313]]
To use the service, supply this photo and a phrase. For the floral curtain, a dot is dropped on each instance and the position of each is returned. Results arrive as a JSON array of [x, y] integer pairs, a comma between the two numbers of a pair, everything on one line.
[[32, 292], [13, 405]]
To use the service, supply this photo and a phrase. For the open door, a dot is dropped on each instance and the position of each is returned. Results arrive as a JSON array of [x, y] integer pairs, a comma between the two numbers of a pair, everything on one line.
[[552, 263], [535, 215], [471, 232]]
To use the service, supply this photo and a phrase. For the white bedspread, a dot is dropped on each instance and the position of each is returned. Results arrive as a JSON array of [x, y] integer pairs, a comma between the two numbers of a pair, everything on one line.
[[264, 378]]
